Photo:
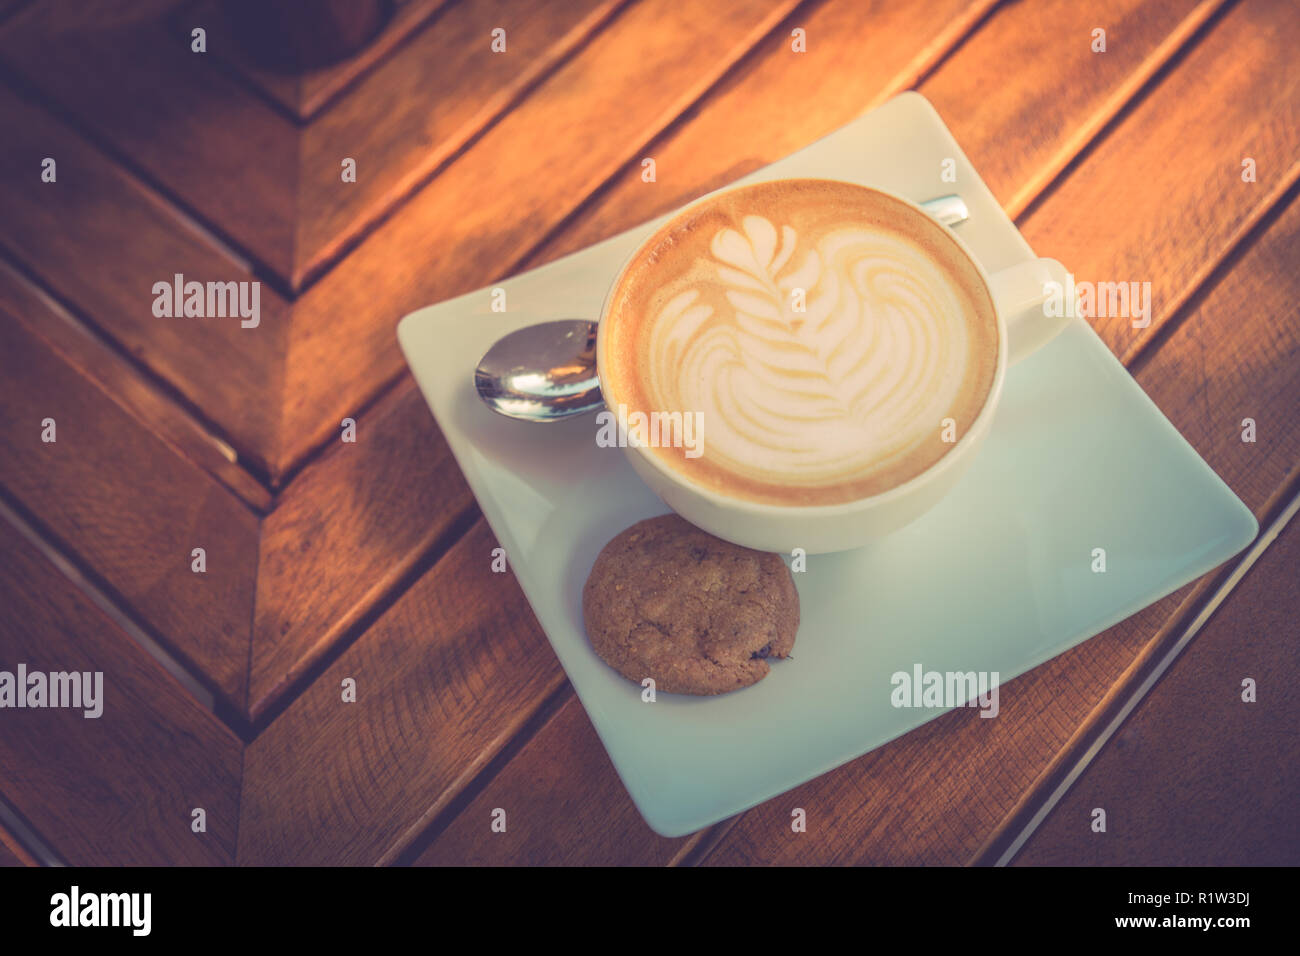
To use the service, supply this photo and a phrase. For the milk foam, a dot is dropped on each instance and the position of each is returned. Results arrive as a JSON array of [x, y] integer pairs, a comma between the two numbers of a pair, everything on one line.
[[843, 393]]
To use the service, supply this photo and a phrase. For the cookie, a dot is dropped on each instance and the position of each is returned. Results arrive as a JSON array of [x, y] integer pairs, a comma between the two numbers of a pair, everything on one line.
[[696, 613]]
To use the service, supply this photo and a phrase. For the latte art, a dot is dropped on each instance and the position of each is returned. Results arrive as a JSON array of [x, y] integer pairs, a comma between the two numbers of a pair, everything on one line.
[[822, 346]]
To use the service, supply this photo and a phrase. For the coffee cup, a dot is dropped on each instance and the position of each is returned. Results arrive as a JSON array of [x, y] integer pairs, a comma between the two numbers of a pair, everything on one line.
[[811, 364]]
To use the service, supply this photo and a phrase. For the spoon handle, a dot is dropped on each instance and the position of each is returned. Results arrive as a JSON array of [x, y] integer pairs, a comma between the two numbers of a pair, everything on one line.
[[949, 210]]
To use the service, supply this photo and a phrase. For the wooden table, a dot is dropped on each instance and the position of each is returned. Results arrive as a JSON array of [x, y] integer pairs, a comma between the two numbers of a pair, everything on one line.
[[327, 560]]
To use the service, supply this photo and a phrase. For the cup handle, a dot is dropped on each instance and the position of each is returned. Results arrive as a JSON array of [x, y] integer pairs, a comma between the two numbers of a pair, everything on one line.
[[1036, 300]]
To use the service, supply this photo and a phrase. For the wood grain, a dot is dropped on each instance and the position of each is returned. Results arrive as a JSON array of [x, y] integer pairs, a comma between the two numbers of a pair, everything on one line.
[[502, 194], [114, 495], [98, 360], [100, 241], [212, 144], [12, 852], [268, 184], [304, 94], [1196, 776], [779, 102], [419, 108], [444, 679], [1165, 188], [565, 806], [1027, 93], [117, 789], [932, 795], [1235, 356], [345, 533]]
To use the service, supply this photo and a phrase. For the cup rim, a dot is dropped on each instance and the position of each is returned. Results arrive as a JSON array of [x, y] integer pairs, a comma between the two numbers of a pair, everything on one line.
[[950, 459]]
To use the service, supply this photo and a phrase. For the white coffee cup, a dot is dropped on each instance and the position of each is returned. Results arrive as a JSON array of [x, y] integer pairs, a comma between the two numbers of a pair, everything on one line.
[[1017, 294]]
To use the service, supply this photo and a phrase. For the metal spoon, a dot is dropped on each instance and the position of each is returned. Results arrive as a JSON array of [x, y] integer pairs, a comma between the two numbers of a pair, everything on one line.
[[546, 372]]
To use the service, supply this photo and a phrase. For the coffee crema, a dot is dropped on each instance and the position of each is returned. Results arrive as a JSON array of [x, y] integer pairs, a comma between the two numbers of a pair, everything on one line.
[[822, 333]]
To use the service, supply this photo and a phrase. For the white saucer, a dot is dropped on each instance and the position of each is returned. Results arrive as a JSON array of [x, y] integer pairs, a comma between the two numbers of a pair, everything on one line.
[[998, 578]]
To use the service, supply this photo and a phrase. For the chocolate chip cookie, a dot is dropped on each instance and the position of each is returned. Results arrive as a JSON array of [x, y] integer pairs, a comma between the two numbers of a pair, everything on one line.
[[696, 613]]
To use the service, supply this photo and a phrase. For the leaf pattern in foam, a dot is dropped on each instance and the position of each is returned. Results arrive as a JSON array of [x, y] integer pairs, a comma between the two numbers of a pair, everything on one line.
[[788, 352], [859, 377]]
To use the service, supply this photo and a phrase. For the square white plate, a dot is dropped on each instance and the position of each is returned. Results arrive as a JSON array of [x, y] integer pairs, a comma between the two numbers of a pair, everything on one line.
[[997, 578]]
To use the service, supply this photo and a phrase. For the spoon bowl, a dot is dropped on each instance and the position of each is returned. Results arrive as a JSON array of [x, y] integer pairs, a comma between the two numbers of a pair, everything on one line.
[[542, 373]]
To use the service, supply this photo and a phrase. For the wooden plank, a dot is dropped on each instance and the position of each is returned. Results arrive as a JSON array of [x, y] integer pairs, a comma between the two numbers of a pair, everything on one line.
[[1163, 193], [1196, 776], [118, 789], [102, 363], [416, 109], [115, 496], [305, 94], [783, 101], [443, 680], [1021, 128], [346, 533], [553, 819], [933, 795], [420, 107], [488, 206], [213, 144], [7, 858], [12, 852], [267, 184], [1234, 357], [100, 241]]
